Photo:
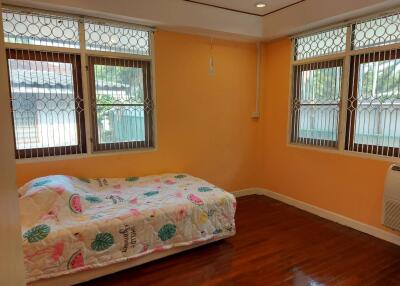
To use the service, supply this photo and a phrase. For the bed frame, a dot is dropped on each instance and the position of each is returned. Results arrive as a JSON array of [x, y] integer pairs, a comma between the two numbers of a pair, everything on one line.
[[83, 276]]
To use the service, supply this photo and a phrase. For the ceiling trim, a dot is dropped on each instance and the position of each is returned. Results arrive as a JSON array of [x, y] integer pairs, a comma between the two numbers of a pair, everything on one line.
[[287, 6], [244, 12]]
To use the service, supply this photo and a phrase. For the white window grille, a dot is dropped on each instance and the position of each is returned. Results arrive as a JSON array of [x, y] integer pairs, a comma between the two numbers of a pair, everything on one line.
[[319, 44], [31, 28], [116, 38], [379, 31]]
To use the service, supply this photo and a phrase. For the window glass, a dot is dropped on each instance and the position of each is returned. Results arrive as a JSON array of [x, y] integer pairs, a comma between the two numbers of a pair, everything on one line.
[[114, 38], [323, 43], [121, 103], [377, 32], [376, 101], [316, 103], [46, 108]]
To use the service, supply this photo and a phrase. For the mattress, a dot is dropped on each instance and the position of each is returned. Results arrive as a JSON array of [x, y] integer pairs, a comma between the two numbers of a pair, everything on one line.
[[75, 224]]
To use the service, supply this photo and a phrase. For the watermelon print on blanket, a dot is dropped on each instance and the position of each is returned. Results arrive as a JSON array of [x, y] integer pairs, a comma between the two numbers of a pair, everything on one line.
[[76, 260], [72, 225], [195, 199], [75, 203]]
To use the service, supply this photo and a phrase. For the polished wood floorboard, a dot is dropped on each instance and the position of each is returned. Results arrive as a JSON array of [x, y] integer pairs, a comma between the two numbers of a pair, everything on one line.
[[275, 244]]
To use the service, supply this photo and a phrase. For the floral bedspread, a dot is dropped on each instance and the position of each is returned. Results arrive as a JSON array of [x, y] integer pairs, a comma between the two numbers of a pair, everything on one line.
[[72, 224]]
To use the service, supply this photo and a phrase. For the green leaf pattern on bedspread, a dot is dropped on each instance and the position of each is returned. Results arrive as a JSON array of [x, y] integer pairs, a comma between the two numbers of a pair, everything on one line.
[[41, 183], [93, 199], [167, 232], [85, 180], [204, 189], [152, 193], [180, 176], [132, 179], [102, 241], [37, 233]]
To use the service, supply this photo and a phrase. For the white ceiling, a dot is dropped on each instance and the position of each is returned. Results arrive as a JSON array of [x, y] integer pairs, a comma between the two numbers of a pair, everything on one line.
[[249, 6], [189, 17]]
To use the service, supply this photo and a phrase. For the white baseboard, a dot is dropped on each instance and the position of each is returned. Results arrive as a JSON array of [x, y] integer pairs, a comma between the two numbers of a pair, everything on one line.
[[369, 229], [249, 192]]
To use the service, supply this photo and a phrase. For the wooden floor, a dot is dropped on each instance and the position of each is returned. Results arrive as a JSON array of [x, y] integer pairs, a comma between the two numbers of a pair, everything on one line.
[[275, 244]]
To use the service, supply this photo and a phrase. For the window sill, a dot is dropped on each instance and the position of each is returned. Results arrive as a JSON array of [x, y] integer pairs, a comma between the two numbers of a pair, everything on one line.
[[344, 152], [85, 156]]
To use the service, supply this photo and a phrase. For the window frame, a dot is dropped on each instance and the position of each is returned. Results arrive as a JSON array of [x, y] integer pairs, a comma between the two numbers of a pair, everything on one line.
[[343, 147], [355, 63], [74, 60], [148, 114], [296, 93]]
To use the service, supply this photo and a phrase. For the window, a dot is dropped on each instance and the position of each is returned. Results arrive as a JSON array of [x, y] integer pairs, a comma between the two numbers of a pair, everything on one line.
[[316, 103], [121, 103], [374, 103], [47, 103], [363, 115], [49, 85]]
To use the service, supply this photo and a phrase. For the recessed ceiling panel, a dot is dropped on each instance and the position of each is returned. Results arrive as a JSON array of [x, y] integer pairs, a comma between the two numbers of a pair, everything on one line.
[[248, 6]]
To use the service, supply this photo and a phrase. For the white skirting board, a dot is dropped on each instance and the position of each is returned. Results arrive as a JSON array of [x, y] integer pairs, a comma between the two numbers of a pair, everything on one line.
[[371, 230]]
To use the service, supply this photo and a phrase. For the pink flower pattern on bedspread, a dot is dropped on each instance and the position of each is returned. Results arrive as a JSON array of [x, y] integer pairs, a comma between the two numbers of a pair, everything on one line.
[[73, 224]]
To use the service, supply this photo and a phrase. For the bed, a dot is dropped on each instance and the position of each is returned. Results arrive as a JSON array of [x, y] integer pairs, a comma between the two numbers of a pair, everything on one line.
[[77, 229]]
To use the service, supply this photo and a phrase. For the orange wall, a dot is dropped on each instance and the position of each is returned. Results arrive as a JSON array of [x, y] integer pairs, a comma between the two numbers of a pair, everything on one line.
[[348, 185], [203, 122]]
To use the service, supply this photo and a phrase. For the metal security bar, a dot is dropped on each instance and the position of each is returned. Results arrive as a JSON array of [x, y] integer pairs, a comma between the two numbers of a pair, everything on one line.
[[121, 103], [381, 31], [374, 103], [47, 103], [78, 85], [315, 108], [31, 28], [322, 43], [116, 38]]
